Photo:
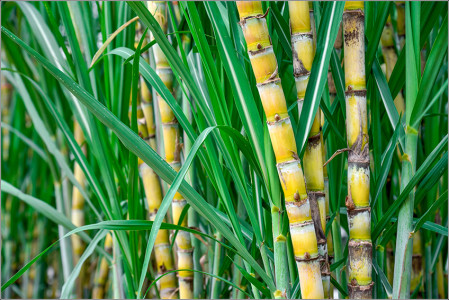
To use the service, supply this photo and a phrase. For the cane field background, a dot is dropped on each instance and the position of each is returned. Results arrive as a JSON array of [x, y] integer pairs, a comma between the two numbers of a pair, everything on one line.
[[213, 150]]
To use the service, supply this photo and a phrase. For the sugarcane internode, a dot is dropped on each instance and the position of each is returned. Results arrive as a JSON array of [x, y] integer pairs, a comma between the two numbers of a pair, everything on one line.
[[101, 277], [357, 202], [265, 68]]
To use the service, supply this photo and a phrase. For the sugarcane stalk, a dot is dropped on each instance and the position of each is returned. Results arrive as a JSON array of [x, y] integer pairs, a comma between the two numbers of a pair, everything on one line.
[[172, 149], [6, 89], [357, 202], [264, 65], [440, 278], [153, 192], [102, 274], [400, 22], [78, 211], [303, 48], [390, 57], [191, 179], [418, 264]]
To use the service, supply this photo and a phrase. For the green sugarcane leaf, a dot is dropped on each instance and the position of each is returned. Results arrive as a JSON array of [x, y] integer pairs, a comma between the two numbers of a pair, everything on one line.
[[39, 151], [423, 169], [282, 29], [375, 34], [431, 226], [388, 101], [245, 103], [339, 79], [254, 281], [437, 96], [383, 279], [42, 207], [201, 272], [119, 225], [431, 179], [397, 81], [433, 65], [67, 288], [338, 287], [440, 243], [143, 150], [41, 129], [76, 150], [43, 35], [330, 120], [440, 201], [387, 158]]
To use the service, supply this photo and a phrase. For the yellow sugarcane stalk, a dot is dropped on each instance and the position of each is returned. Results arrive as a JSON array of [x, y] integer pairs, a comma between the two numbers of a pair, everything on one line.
[[357, 202], [390, 56], [172, 147], [102, 274], [390, 262], [400, 22], [441, 278], [6, 89], [303, 50], [153, 192], [417, 263], [302, 229], [77, 198], [78, 218]]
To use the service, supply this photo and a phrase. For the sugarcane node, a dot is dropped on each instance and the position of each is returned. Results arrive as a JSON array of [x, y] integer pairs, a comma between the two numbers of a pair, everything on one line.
[[354, 282], [296, 196], [274, 75], [277, 117], [325, 270], [186, 279], [294, 155], [357, 93], [319, 194], [255, 52], [186, 250], [349, 202], [162, 268], [358, 210], [264, 15], [321, 241], [298, 67], [315, 211], [406, 157], [359, 152], [360, 291], [298, 203], [307, 255], [313, 140], [274, 80]]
